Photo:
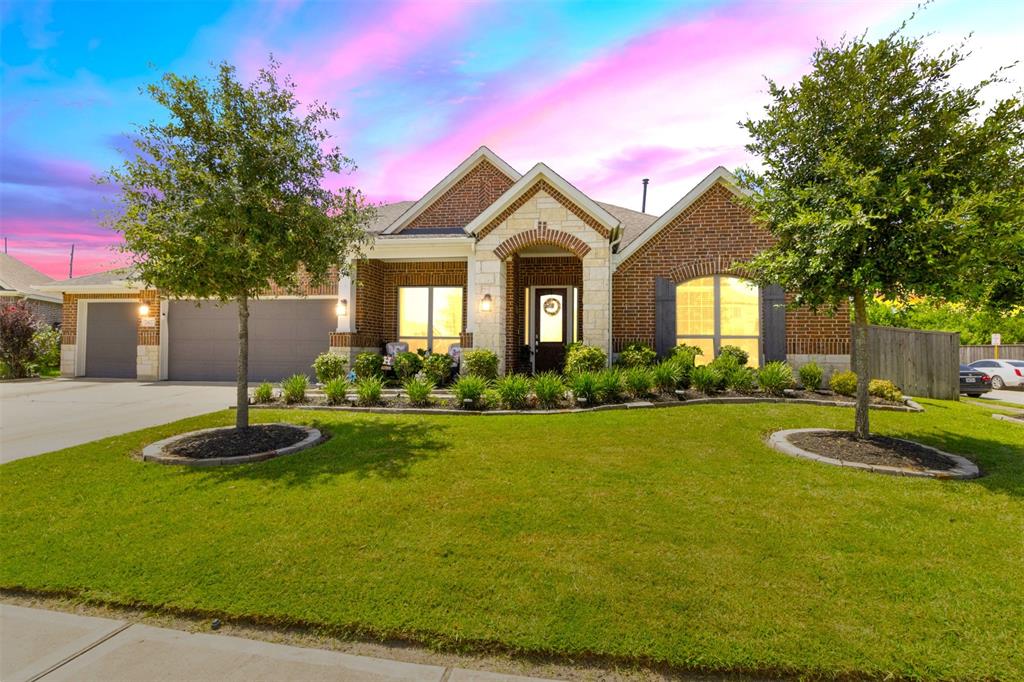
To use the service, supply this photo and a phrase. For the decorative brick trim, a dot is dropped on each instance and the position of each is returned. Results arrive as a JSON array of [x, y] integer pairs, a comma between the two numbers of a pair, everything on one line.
[[543, 185], [541, 235], [717, 265], [466, 340], [352, 340]]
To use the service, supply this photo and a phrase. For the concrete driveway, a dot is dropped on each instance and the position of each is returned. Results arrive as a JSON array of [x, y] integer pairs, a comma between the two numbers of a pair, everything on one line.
[[50, 414], [1006, 395]]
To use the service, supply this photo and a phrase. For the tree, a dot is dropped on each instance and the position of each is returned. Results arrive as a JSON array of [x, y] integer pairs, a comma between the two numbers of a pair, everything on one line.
[[227, 196], [17, 329], [882, 177]]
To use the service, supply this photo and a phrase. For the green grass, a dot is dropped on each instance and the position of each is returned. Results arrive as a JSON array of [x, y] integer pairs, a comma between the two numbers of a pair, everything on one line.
[[658, 536]]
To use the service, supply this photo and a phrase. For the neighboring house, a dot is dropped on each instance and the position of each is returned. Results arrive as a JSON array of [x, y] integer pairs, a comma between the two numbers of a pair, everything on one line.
[[18, 281], [489, 258]]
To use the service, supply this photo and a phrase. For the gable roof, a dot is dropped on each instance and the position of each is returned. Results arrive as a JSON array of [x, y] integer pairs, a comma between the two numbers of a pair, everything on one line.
[[387, 214], [18, 278], [719, 175], [542, 173], [449, 181], [117, 278]]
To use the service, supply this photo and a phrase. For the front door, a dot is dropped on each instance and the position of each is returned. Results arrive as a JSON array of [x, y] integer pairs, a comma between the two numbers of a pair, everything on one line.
[[551, 328]]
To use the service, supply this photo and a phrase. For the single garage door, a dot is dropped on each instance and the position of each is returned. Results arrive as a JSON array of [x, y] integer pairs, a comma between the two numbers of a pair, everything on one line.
[[110, 340], [284, 338]]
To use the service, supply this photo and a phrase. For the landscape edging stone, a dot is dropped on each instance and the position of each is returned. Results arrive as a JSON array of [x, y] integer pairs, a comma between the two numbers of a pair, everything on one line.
[[154, 452]]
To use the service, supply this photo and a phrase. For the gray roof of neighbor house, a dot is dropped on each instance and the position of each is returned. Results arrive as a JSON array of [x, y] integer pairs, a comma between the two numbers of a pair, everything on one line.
[[105, 278], [20, 278]]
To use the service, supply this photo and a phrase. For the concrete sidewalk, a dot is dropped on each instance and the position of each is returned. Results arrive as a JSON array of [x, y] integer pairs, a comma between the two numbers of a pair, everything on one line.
[[53, 645]]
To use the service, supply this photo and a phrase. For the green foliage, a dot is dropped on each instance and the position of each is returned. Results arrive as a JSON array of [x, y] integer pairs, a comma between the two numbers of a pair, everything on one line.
[[17, 330], [638, 381], [775, 377], [843, 383], [513, 391], [549, 389], [885, 389], [470, 387], [725, 364], [667, 375], [975, 324], [686, 354], [264, 393], [705, 379], [293, 389], [407, 364], [369, 390], [736, 352], [811, 375], [740, 379], [481, 362], [335, 390], [580, 357], [418, 390], [46, 347], [584, 387], [437, 367], [368, 365], [637, 355], [610, 386], [329, 366]]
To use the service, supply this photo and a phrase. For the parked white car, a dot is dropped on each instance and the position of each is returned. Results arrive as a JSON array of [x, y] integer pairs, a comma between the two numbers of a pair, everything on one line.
[[1004, 373]]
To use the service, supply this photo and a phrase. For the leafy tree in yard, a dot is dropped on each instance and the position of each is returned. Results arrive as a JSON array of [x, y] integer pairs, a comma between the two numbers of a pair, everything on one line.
[[227, 196], [882, 177], [17, 328]]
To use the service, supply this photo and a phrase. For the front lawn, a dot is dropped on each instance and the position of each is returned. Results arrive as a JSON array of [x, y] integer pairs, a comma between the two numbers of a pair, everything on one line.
[[670, 536]]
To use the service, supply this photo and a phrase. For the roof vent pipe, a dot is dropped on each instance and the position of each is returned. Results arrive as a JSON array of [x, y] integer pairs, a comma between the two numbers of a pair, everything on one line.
[[643, 204]]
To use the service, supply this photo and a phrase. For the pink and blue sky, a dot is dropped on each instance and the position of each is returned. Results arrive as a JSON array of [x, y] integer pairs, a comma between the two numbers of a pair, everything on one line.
[[606, 93]]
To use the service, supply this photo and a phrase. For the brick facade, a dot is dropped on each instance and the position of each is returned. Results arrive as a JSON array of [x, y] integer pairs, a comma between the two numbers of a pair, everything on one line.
[[710, 237], [464, 200]]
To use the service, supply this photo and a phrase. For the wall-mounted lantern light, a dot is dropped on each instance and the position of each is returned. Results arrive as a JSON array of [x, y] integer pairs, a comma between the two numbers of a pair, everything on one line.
[[342, 308], [485, 303], [143, 310]]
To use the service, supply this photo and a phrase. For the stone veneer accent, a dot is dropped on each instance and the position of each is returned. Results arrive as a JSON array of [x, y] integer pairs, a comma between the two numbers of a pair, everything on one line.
[[147, 363]]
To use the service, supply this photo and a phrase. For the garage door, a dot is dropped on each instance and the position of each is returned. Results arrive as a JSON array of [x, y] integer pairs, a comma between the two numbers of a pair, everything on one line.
[[110, 340], [284, 339]]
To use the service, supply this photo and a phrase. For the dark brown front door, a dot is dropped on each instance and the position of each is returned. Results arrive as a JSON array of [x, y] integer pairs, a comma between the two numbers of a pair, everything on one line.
[[551, 329]]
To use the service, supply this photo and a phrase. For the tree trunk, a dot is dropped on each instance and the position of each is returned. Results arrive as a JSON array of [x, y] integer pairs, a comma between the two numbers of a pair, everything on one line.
[[860, 363], [242, 396]]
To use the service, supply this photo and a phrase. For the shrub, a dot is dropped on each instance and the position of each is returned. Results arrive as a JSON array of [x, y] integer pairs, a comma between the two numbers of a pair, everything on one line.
[[469, 387], [584, 387], [335, 390], [264, 393], [513, 391], [810, 376], [844, 383], [294, 388], [549, 389], [482, 363], [735, 351], [437, 367], [582, 358], [667, 375], [637, 355], [885, 389], [639, 381], [610, 386], [17, 328], [46, 347], [329, 366], [369, 390], [740, 379], [419, 389], [686, 353], [725, 365], [775, 377], [406, 365], [368, 365], [490, 399], [705, 379]]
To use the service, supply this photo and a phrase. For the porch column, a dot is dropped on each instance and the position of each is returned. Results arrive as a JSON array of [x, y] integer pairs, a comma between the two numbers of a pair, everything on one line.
[[489, 279]]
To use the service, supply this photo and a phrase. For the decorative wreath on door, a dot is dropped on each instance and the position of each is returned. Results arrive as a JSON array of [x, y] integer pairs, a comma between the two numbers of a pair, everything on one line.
[[552, 306]]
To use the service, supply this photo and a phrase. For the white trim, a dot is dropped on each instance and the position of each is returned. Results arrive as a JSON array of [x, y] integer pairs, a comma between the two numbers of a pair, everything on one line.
[[720, 174], [449, 180], [542, 172], [165, 306], [471, 293], [347, 291], [425, 248], [42, 298]]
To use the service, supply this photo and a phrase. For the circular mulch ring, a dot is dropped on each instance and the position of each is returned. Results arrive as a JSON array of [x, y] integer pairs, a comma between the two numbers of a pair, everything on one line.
[[878, 454], [226, 445]]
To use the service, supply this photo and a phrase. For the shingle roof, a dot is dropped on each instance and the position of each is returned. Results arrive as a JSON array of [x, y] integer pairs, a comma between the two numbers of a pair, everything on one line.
[[387, 214], [633, 222], [105, 278], [22, 278]]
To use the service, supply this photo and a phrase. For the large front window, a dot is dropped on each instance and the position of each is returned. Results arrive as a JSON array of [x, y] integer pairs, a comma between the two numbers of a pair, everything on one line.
[[717, 311], [429, 318]]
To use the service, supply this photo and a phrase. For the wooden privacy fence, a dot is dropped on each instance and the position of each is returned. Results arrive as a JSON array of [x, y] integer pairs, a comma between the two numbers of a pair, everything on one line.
[[924, 364], [1010, 351]]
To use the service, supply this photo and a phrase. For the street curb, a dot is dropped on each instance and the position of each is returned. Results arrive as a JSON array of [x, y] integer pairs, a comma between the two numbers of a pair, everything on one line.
[[1008, 418], [154, 452]]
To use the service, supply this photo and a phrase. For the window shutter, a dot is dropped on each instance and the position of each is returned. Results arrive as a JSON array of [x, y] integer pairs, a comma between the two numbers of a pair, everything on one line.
[[773, 317], [664, 316]]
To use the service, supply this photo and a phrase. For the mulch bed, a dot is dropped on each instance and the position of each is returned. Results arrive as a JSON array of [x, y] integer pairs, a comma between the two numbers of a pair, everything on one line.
[[876, 450], [235, 443]]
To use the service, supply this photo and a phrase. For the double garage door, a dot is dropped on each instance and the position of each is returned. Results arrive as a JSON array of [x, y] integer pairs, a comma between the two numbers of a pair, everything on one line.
[[285, 336]]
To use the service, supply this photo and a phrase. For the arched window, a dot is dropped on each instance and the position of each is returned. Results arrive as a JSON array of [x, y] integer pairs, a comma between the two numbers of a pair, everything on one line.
[[716, 311]]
